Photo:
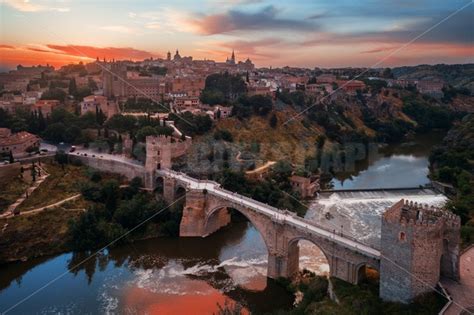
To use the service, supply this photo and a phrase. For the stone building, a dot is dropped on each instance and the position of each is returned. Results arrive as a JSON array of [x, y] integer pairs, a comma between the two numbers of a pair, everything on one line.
[[92, 103], [114, 79], [18, 142], [305, 186], [419, 245], [46, 107]]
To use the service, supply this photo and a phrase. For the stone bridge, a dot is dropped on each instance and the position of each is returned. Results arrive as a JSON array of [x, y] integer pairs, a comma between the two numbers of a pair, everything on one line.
[[207, 210], [419, 244]]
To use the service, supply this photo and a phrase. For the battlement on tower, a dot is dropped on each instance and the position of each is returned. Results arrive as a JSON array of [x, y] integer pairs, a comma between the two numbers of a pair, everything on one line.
[[408, 212], [158, 140]]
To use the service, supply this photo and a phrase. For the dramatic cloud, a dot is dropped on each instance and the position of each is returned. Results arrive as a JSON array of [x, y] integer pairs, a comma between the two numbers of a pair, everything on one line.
[[234, 20], [252, 48], [378, 49], [29, 6], [6, 46], [107, 52]]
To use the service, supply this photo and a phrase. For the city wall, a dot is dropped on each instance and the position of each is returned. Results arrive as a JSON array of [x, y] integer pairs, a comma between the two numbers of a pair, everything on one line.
[[126, 169]]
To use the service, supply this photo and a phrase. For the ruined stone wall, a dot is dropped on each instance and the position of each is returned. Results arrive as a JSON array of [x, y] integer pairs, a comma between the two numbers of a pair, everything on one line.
[[180, 148]]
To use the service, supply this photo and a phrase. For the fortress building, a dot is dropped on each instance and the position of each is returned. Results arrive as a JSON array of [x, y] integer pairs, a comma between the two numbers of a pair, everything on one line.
[[420, 244]]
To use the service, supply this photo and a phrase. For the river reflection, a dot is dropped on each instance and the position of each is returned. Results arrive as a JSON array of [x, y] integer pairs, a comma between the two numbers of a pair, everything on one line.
[[158, 276], [392, 166]]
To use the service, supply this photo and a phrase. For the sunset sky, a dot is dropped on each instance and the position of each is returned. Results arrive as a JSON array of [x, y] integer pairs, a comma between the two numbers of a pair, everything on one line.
[[272, 33]]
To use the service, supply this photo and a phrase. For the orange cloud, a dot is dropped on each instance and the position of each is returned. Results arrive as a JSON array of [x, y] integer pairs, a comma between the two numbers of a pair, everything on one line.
[[59, 55], [107, 52]]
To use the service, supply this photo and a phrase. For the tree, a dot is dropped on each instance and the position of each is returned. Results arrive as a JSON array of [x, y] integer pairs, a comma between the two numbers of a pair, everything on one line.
[[41, 121], [110, 194], [261, 104], [72, 87], [282, 170], [91, 191], [192, 124], [122, 123], [258, 104], [223, 134], [61, 158], [55, 132], [132, 212], [33, 171], [152, 131], [273, 121], [387, 73], [222, 88], [54, 94]]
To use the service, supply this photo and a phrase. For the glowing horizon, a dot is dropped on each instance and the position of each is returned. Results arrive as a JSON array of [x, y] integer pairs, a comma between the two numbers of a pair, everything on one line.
[[271, 33]]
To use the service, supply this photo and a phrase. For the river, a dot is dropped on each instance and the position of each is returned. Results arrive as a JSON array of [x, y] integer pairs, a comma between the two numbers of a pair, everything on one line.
[[188, 275]]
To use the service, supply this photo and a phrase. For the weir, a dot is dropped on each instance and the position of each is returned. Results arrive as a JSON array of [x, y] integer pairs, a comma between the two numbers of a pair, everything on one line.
[[359, 212]]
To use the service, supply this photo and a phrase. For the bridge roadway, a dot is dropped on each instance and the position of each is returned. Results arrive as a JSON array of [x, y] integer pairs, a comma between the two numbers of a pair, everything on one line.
[[276, 214]]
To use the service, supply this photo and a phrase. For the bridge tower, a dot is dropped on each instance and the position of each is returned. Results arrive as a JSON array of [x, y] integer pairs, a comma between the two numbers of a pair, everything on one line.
[[158, 156], [419, 244]]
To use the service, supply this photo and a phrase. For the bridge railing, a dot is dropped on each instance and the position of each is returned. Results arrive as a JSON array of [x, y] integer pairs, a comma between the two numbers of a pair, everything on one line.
[[191, 179], [275, 213]]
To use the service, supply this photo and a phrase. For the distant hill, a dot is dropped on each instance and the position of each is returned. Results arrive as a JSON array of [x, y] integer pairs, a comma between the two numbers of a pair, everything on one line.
[[455, 75]]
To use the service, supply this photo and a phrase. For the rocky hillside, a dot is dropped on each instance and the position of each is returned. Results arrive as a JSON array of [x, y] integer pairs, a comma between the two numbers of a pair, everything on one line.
[[455, 75], [283, 133]]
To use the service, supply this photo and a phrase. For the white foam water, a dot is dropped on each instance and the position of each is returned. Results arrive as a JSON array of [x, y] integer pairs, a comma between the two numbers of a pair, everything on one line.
[[358, 214]]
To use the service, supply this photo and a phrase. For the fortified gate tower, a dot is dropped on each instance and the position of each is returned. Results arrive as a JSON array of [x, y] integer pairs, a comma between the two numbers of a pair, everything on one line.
[[159, 152], [419, 244]]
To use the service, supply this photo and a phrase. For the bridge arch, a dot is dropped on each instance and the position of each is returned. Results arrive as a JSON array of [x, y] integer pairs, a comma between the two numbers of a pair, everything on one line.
[[219, 216], [179, 191], [294, 253], [366, 271]]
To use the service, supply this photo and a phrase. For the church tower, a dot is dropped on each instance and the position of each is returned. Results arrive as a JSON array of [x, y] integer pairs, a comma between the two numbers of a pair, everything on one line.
[[168, 56], [177, 56], [232, 58]]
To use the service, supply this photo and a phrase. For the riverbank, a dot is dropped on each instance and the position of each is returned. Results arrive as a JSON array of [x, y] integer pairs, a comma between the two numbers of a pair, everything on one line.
[[30, 236]]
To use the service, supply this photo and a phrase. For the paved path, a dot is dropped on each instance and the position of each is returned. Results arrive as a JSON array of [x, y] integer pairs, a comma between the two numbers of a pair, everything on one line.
[[261, 168], [462, 292], [276, 214]]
